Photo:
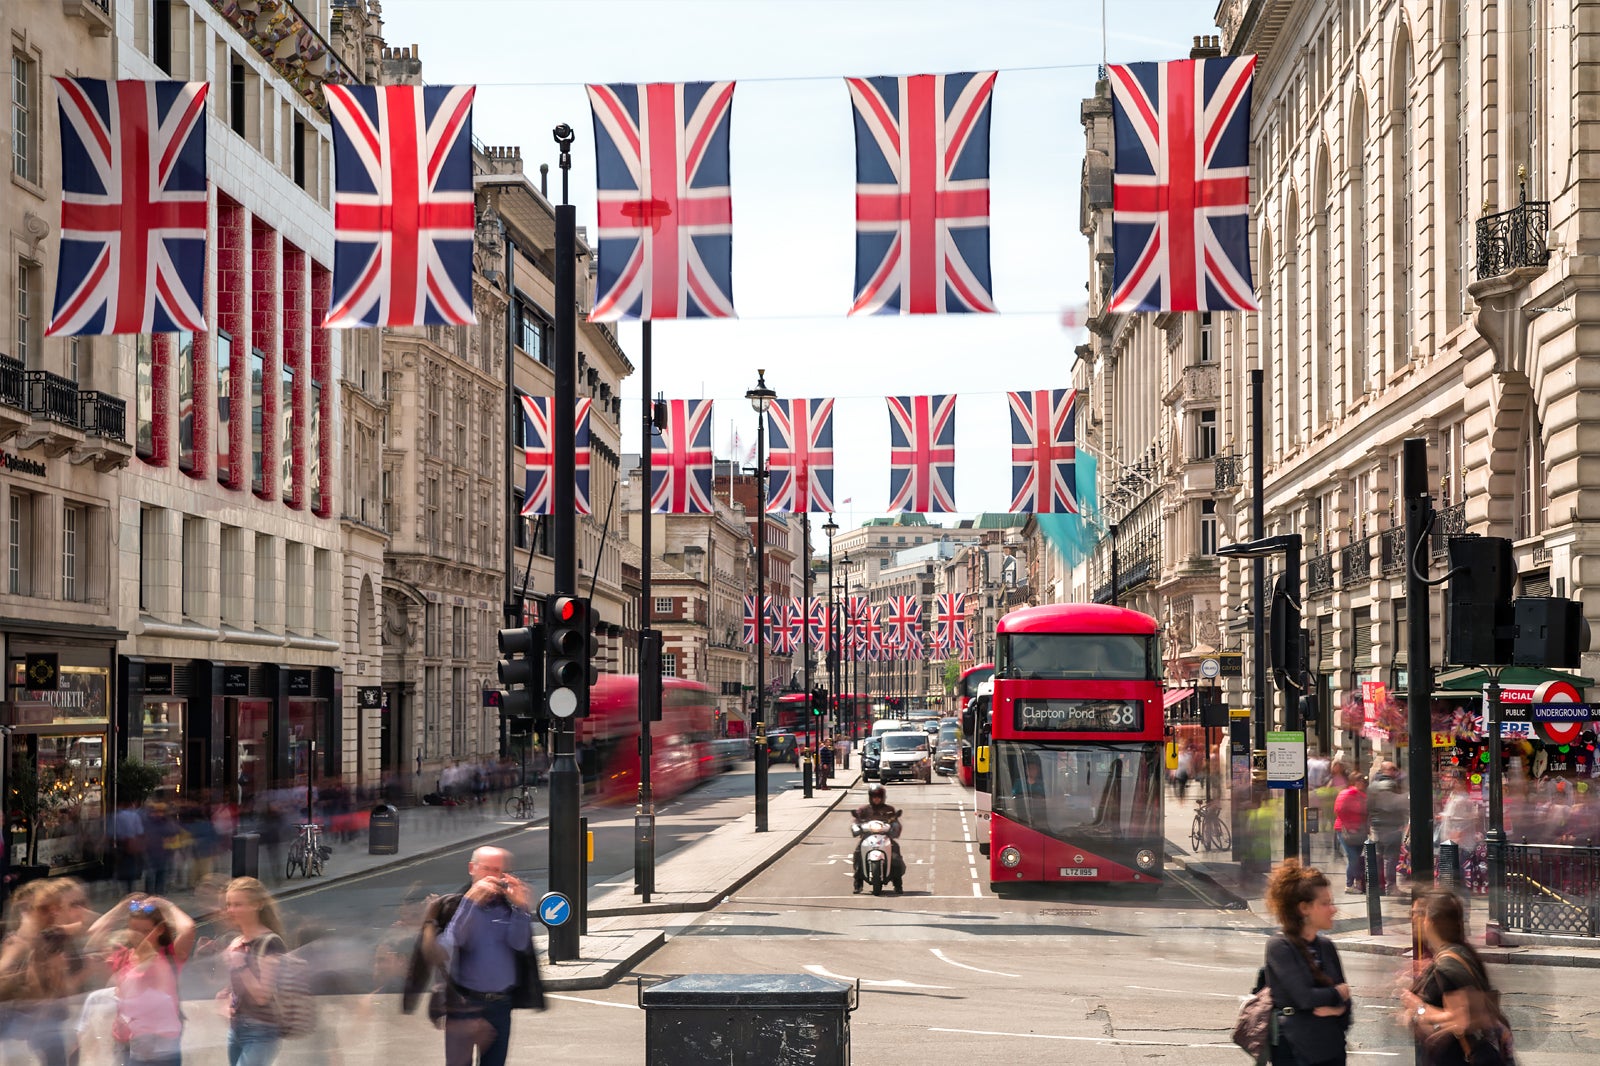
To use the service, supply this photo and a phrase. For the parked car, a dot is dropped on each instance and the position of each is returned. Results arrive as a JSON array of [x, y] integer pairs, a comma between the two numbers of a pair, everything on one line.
[[905, 756], [783, 747], [946, 756], [871, 750]]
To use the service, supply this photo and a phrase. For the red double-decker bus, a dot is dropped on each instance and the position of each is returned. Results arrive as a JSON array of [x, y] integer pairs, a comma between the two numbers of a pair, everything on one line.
[[608, 740], [967, 686], [1075, 747]]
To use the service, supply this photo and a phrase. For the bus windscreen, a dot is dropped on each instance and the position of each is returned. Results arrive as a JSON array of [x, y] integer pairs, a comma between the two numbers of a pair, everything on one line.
[[1079, 791], [1076, 656]]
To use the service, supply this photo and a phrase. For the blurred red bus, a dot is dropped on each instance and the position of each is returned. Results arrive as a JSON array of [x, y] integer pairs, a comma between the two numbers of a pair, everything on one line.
[[608, 740], [1075, 760], [967, 686]]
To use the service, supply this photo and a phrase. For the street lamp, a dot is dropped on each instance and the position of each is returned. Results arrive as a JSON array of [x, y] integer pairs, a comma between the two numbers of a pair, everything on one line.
[[844, 630], [1287, 546], [830, 654], [760, 399]]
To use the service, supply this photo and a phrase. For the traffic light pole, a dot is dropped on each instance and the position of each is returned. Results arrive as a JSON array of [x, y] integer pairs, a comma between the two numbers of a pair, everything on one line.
[[644, 814], [760, 730], [805, 637], [1419, 665], [566, 866]]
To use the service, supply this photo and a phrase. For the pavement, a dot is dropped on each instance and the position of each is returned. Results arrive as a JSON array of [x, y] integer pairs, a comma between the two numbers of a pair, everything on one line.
[[1223, 878]]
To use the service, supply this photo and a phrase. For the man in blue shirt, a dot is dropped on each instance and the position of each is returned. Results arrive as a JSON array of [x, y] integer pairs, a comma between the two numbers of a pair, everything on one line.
[[483, 947]]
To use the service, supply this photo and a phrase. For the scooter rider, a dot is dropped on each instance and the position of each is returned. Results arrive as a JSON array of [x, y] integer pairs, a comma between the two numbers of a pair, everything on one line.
[[877, 809]]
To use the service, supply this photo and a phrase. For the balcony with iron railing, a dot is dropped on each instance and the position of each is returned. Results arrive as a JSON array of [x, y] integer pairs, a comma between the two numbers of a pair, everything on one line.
[[1355, 561], [1230, 470], [1319, 574], [103, 415], [1508, 240], [1392, 551], [1448, 522]]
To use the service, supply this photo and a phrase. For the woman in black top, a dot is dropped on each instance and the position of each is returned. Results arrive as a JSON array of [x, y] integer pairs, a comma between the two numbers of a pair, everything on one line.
[[1310, 997], [1449, 1008]]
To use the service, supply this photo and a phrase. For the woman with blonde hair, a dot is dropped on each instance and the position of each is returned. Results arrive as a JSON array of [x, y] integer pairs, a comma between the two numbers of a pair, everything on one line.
[[40, 966], [252, 958], [1310, 997]]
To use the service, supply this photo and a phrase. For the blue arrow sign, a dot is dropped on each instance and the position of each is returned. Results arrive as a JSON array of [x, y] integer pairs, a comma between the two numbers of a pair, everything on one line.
[[554, 909]]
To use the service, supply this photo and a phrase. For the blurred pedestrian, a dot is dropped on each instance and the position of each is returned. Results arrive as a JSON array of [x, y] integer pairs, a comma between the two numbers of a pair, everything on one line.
[[1388, 812], [1350, 826], [1451, 1008], [128, 828], [1310, 995], [148, 1026], [252, 959], [40, 968], [480, 942], [825, 762]]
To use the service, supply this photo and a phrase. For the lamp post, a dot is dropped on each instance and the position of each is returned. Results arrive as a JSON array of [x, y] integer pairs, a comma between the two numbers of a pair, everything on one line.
[[844, 642], [1114, 575], [760, 399], [1292, 670], [830, 640]]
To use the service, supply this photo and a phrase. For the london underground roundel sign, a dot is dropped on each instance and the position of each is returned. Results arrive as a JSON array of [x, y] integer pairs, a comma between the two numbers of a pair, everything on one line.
[[1554, 692]]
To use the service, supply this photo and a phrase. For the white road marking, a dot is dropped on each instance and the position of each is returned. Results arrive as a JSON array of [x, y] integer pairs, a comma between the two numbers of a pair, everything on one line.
[[1185, 992], [610, 884], [1204, 966], [942, 957], [973, 870], [1110, 1041], [596, 1002], [976, 891], [897, 983]]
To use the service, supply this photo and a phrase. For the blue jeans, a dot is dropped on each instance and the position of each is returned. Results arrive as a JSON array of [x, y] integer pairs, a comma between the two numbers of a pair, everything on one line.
[[486, 1030], [252, 1043]]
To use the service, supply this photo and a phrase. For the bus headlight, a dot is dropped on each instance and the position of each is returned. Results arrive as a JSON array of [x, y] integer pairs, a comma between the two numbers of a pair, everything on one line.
[[1010, 857], [1146, 859]]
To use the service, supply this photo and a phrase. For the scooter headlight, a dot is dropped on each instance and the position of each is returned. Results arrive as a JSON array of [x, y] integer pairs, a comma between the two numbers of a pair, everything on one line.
[[1010, 857], [1146, 859], [875, 856]]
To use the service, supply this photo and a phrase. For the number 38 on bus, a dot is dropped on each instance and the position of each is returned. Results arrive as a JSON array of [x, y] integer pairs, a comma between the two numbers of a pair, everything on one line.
[[1075, 731]]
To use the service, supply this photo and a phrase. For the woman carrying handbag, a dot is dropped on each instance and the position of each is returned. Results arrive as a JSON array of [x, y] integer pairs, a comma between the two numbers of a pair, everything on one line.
[[1310, 997], [1452, 1010]]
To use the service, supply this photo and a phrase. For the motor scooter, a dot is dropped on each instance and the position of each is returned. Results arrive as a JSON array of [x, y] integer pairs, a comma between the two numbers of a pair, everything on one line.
[[875, 851]]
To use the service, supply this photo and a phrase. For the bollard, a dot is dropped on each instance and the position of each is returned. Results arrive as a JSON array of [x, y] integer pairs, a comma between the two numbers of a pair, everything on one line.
[[1369, 854], [1450, 868], [583, 880], [806, 781]]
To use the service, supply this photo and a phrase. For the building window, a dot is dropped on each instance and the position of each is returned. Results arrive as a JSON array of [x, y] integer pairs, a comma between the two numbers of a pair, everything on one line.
[[461, 522], [193, 575], [26, 332], [224, 375], [236, 84], [663, 605], [24, 117], [430, 711], [460, 427], [1208, 527], [265, 591], [72, 523], [298, 153], [1205, 436], [386, 493], [232, 573], [258, 412], [19, 544], [430, 629], [431, 519], [286, 441], [186, 401], [144, 357], [76, 346], [435, 441], [458, 632], [1207, 350], [669, 664], [161, 35], [531, 332]]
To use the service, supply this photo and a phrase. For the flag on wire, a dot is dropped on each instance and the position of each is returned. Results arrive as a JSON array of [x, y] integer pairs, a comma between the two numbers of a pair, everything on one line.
[[133, 208], [874, 632], [795, 623], [817, 622], [922, 193], [683, 464], [778, 634], [539, 456], [905, 620], [857, 625], [800, 456], [403, 213], [914, 651], [1180, 194], [1044, 452], [665, 204], [922, 453], [949, 620], [752, 627]]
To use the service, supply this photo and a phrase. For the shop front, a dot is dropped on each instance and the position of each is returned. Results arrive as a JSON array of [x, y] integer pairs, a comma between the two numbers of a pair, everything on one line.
[[239, 732], [58, 778]]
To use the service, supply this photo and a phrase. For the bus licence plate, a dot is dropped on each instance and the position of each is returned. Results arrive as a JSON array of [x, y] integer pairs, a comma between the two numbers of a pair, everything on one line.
[[1080, 871]]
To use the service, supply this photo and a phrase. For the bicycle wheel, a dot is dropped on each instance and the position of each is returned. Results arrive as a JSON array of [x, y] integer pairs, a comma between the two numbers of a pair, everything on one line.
[[1197, 833], [514, 805], [297, 857], [1221, 836]]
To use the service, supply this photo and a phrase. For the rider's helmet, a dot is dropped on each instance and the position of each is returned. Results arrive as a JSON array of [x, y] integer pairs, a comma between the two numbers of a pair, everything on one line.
[[876, 792]]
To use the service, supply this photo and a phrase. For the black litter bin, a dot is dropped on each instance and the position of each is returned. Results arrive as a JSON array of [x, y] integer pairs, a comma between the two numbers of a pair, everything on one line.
[[383, 831], [732, 1019], [247, 855]]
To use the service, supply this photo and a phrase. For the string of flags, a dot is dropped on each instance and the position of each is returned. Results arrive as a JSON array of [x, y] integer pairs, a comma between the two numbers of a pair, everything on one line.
[[135, 210], [922, 455], [866, 632]]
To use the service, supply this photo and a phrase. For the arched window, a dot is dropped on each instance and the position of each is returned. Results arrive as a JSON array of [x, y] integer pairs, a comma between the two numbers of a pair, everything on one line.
[[1268, 323], [1322, 297], [1403, 205], [1356, 258], [1292, 333]]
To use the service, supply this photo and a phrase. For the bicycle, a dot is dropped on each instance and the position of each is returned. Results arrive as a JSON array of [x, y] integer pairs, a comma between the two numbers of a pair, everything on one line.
[[520, 804], [1210, 832], [307, 851]]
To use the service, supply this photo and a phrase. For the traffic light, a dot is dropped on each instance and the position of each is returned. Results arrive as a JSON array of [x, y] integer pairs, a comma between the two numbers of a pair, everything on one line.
[[1479, 624], [521, 671], [650, 674], [1284, 637], [569, 655], [819, 702]]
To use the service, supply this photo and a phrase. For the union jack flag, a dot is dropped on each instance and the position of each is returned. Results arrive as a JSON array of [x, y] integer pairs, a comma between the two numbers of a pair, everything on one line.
[[922, 453], [133, 208], [402, 205], [949, 620], [905, 620], [666, 208], [800, 456], [753, 627], [856, 624], [914, 651], [922, 193], [539, 456], [817, 622], [1044, 452], [873, 632], [1180, 195], [779, 635], [681, 474]]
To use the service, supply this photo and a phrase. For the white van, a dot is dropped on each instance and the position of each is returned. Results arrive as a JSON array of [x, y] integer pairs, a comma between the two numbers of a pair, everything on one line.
[[891, 725]]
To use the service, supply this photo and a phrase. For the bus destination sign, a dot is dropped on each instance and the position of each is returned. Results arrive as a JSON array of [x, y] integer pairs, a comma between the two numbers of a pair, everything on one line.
[[1078, 716]]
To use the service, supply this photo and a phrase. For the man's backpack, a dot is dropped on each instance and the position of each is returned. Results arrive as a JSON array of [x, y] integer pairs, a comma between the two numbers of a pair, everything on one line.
[[1253, 1028]]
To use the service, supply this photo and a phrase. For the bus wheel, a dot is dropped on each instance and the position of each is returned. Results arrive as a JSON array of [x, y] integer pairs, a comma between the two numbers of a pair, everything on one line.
[[983, 849]]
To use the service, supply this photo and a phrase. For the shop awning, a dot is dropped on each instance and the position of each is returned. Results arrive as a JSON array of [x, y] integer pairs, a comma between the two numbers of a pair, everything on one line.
[[1468, 681], [1175, 696]]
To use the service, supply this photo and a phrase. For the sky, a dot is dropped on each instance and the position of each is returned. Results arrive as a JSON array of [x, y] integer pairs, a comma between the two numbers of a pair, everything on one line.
[[793, 186]]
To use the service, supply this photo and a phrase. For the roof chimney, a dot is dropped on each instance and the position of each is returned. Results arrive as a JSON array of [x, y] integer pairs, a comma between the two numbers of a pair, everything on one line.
[[1206, 48]]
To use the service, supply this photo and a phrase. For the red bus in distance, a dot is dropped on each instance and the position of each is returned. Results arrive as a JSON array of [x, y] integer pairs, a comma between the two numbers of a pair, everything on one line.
[[1076, 760], [608, 740]]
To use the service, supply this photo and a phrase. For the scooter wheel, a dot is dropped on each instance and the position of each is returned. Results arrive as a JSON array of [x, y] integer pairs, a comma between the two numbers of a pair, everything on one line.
[[877, 890]]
